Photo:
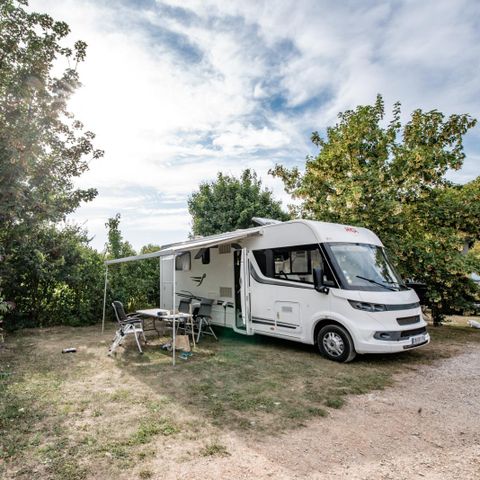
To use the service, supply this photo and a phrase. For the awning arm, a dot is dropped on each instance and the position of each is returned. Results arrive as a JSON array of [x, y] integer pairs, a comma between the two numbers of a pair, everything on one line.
[[133, 258], [204, 242]]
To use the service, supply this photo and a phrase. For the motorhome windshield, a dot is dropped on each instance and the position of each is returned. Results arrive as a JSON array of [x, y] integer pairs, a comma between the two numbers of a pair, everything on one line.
[[364, 267]]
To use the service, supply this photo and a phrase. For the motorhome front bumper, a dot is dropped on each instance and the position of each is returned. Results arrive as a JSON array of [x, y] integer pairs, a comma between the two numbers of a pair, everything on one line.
[[402, 335], [392, 341]]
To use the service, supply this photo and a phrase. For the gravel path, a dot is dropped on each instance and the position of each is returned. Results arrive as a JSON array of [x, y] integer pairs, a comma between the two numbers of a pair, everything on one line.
[[427, 426]]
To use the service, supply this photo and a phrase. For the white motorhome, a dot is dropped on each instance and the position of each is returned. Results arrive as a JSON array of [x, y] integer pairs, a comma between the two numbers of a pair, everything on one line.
[[312, 282]]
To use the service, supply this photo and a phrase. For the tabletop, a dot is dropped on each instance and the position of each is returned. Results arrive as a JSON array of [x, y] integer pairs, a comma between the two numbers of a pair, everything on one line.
[[162, 313], [153, 312]]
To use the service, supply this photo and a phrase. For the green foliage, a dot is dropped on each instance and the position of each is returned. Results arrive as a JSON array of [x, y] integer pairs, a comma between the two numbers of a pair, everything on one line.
[[50, 274], [229, 203], [42, 146], [116, 247], [391, 178], [4, 306], [135, 284], [57, 279], [214, 449]]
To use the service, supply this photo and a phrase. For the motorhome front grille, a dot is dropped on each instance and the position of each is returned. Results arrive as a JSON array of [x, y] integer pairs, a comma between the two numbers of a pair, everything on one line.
[[411, 333], [225, 248], [226, 292], [408, 320]]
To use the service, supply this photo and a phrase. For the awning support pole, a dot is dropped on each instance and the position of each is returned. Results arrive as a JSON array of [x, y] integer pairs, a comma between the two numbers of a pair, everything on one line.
[[104, 298], [173, 306]]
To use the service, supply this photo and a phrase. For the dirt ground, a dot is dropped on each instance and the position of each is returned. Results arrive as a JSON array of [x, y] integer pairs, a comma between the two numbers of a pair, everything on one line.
[[87, 416], [426, 426]]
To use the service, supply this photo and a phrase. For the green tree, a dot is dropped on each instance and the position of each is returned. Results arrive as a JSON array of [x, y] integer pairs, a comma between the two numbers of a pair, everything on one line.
[[58, 279], [229, 203], [116, 247], [391, 178], [135, 284], [43, 148]]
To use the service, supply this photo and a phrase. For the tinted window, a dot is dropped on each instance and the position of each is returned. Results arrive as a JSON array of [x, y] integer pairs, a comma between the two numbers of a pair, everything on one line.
[[295, 264], [182, 262], [261, 259], [206, 256]]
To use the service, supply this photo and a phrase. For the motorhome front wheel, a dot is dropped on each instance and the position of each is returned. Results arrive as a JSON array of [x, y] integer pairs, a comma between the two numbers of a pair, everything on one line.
[[335, 343]]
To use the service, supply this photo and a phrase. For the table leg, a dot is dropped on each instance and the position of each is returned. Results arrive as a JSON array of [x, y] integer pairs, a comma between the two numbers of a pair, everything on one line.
[[191, 324]]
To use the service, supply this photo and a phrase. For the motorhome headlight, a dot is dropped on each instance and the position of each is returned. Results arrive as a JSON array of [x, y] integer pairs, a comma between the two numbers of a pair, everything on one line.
[[367, 307]]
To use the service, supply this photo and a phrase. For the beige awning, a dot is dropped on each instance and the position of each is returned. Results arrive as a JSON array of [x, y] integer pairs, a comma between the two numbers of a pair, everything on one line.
[[194, 244]]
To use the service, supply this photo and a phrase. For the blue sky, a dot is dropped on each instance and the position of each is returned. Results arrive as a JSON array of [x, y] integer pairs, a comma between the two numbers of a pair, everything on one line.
[[178, 90]]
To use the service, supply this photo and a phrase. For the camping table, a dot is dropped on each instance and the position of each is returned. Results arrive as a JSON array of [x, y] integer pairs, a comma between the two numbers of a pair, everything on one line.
[[155, 314], [167, 315]]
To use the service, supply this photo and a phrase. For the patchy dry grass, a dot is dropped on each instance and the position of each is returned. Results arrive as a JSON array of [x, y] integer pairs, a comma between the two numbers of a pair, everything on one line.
[[214, 449], [84, 415]]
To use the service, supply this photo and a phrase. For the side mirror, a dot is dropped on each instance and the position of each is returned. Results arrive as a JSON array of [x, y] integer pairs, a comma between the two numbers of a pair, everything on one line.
[[318, 280]]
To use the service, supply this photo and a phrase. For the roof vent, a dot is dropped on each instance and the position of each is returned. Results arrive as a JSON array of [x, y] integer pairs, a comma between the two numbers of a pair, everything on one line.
[[224, 248]]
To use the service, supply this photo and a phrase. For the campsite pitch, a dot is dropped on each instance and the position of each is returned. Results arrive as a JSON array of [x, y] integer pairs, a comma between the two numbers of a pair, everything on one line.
[[240, 406]]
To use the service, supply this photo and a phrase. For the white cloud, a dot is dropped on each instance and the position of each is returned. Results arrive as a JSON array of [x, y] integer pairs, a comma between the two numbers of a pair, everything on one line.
[[173, 99], [243, 138]]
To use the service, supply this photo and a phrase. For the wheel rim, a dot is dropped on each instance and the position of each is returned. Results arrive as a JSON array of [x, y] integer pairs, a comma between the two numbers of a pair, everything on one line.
[[333, 344]]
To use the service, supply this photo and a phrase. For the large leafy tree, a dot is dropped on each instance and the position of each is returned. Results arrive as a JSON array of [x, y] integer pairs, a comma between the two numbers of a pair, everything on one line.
[[42, 146], [390, 178], [229, 203], [57, 278]]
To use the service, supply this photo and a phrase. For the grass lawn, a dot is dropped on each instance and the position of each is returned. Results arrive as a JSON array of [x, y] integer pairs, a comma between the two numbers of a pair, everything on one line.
[[85, 415]]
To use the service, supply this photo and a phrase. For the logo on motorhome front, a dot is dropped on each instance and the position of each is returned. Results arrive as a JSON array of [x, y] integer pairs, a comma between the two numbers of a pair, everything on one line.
[[199, 280], [351, 230]]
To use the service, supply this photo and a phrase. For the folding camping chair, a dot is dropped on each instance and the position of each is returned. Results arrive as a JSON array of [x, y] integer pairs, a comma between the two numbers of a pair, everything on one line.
[[203, 317], [184, 307], [129, 324]]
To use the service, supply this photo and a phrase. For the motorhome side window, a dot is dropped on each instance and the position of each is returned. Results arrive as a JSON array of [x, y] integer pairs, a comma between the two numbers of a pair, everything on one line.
[[206, 256], [293, 263], [182, 262]]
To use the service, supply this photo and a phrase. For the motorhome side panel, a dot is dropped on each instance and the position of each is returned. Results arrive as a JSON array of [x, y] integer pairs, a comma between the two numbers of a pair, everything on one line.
[[280, 307], [210, 280]]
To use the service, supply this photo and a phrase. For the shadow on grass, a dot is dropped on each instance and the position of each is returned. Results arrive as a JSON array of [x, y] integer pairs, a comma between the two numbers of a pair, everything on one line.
[[264, 384], [252, 385]]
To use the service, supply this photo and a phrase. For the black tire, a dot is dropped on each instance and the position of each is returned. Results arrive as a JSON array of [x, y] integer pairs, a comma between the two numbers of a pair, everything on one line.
[[335, 343]]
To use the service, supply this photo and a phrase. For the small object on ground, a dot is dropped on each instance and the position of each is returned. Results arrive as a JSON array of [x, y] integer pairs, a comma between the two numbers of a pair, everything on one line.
[[166, 346], [182, 343], [185, 355], [69, 350], [474, 323]]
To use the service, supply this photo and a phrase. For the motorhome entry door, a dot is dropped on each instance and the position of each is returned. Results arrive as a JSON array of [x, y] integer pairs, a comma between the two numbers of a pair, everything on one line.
[[243, 323], [167, 275]]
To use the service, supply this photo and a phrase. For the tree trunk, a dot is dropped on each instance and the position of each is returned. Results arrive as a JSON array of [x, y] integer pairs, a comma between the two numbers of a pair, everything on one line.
[[437, 317]]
